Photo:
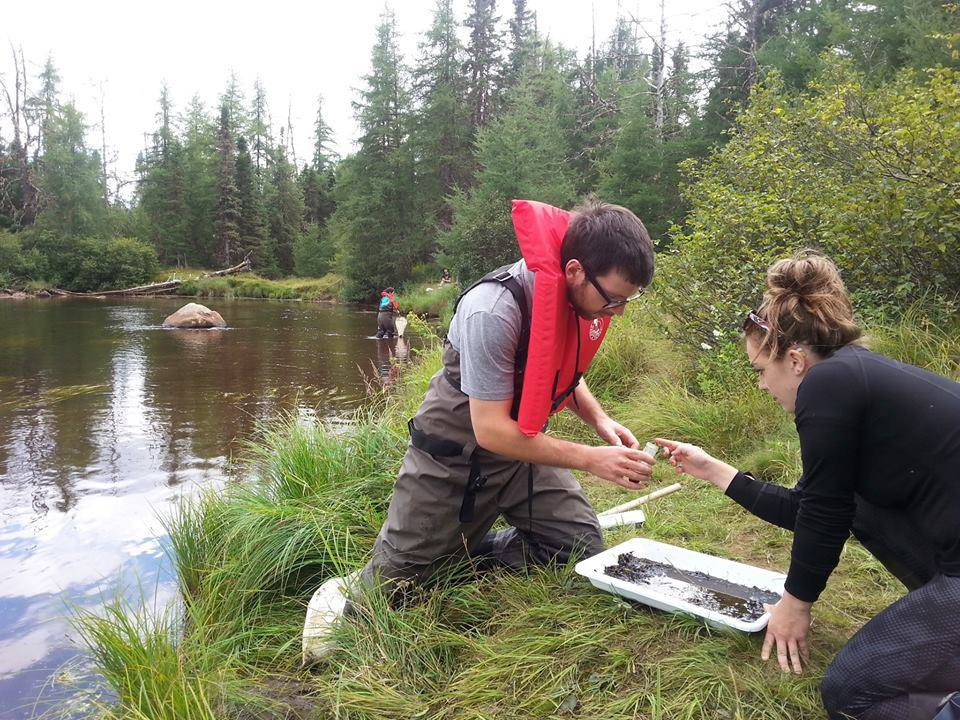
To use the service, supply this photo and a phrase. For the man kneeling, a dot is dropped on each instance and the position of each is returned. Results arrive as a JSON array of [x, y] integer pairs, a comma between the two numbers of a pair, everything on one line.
[[519, 343]]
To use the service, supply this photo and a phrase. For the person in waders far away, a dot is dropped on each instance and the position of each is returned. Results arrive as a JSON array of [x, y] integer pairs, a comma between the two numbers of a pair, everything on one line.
[[880, 446], [518, 345], [386, 327]]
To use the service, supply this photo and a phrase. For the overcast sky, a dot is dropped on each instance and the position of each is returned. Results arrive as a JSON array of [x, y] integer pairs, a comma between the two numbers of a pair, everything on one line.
[[298, 50]]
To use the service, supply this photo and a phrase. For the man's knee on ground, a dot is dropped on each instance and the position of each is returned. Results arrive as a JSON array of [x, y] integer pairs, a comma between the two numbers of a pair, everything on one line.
[[576, 547]]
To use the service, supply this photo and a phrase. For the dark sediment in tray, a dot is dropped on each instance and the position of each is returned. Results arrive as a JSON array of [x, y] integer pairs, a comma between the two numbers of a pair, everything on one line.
[[710, 593]]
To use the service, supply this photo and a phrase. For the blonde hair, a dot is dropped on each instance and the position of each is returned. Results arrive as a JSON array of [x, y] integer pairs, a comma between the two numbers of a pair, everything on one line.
[[806, 302]]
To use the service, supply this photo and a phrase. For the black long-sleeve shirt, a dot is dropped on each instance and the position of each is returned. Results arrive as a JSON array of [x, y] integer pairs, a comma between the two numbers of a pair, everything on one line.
[[873, 427]]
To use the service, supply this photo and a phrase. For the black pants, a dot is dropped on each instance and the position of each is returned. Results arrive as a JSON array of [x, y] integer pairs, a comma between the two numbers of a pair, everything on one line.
[[902, 662], [386, 327]]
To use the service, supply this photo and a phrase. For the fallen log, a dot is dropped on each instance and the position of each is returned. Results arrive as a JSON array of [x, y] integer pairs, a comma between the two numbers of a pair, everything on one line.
[[154, 288]]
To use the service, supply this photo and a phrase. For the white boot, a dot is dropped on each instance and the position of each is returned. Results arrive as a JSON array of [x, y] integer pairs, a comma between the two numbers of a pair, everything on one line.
[[326, 607]]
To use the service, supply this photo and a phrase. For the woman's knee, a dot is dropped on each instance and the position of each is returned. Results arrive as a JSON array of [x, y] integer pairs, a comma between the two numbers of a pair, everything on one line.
[[835, 691]]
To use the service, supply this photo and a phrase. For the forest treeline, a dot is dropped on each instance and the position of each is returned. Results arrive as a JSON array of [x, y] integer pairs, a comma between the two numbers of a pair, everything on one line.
[[791, 125]]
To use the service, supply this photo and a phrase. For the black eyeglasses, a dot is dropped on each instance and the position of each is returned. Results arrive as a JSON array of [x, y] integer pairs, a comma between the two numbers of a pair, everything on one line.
[[610, 303]]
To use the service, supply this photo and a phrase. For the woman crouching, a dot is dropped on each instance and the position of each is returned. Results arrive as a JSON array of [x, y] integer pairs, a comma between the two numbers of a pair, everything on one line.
[[880, 447]]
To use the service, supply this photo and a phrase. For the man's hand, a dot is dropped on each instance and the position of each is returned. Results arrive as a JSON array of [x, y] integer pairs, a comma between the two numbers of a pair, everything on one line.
[[787, 631], [613, 433], [623, 466]]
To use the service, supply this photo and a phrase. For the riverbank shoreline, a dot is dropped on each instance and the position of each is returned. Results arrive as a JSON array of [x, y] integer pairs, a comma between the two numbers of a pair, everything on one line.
[[246, 286]]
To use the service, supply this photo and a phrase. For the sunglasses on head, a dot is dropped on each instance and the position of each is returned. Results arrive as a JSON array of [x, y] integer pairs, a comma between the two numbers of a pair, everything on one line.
[[753, 318], [609, 303]]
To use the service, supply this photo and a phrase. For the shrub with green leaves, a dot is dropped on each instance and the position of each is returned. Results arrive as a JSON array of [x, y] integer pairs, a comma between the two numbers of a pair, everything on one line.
[[79, 264], [869, 176]]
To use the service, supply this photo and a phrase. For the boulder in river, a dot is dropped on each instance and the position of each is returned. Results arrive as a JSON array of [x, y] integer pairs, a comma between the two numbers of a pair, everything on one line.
[[194, 315]]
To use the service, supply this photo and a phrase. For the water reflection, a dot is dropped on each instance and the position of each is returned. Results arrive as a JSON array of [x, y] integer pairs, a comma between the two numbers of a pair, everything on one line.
[[105, 418]]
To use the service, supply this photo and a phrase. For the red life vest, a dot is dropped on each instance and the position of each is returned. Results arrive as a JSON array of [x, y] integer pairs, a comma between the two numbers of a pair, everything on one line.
[[393, 301], [561, 343]]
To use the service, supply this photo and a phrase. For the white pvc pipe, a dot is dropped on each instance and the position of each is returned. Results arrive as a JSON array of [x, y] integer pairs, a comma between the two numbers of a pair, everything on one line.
[[641, 500]]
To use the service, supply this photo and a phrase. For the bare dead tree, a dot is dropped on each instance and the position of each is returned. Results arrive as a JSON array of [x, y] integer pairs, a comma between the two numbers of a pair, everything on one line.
[[103, 149], [22, 198], [658, 83]]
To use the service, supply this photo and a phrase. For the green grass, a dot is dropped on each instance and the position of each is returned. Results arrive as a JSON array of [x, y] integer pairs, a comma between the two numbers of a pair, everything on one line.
[[248, 285], [540, 644], [435, 303]]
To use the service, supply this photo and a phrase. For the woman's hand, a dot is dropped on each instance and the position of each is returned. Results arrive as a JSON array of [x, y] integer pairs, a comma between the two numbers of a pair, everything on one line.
[[696, 461], [787, 631], [613, 433]]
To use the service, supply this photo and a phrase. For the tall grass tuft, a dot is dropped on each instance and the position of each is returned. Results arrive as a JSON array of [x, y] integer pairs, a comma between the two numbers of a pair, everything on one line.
[[920, 340]]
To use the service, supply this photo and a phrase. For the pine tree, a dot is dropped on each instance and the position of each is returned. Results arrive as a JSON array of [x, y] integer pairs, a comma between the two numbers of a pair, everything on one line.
[[523, 154], [259, 130], [160, 187], [441, 139], [228, 205], [285, 208], [483, 65], [70, 178], [376, 221], [200, 183], [252, 225]]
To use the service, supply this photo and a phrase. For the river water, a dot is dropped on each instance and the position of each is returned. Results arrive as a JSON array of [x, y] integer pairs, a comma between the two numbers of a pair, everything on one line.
[[106, 419]]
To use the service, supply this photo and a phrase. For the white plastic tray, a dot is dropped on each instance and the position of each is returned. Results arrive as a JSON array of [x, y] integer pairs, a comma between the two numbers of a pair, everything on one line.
[[682, 559]]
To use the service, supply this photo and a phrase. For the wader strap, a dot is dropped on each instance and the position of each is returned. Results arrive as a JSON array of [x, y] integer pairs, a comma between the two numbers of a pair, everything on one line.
[[475, 484], [441, 447], [530, 498], [512, 284]]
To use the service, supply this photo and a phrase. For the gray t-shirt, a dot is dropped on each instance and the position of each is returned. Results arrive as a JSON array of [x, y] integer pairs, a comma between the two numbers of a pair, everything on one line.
[[486, 331]]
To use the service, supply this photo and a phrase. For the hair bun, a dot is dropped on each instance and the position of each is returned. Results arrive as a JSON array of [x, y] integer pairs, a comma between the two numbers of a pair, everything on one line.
[[806, 277], [806, 301]]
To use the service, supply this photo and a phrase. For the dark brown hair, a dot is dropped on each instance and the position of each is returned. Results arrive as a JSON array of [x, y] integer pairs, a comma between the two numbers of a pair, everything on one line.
[[805, 302], [605, 237]]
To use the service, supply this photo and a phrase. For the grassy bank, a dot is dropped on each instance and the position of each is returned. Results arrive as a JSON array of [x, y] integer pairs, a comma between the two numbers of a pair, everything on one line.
[[431, 300], [249, 285], [501, 645]]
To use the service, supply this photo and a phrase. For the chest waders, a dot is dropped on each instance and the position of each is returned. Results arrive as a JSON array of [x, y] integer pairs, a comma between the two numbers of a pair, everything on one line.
[[440, 447]]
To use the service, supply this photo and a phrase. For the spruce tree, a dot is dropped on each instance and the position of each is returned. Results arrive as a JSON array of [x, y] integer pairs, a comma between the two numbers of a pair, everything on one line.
[[200, 183], [313, 253], [70, 178], [318, 177], [377, 219], [484, 64], [441, 138], [160, 187], [523, 154], [285, 208], [259, 131], [522, 28], [228, 206], [42, 107], [252, 223]]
